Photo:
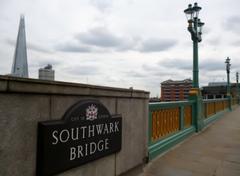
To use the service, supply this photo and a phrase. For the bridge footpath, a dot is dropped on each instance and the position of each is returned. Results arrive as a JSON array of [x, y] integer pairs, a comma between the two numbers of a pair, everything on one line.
[[213, 152]]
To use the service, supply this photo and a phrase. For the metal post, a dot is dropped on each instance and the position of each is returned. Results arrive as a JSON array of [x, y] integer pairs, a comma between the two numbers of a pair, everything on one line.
[[181, 124], [228, 83], [195, 62], [195, 28], [237, 88]]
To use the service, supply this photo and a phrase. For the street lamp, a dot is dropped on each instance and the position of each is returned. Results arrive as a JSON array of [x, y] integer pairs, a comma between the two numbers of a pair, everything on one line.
[[237, 76], [228, 80], [228, 72], [237, 87], [195, 28]]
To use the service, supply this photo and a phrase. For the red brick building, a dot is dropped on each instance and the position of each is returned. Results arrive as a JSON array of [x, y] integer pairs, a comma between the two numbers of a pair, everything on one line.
[[175, 90]]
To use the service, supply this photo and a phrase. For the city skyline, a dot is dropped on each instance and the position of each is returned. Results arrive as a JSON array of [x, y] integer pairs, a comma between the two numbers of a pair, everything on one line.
[[125, 44]]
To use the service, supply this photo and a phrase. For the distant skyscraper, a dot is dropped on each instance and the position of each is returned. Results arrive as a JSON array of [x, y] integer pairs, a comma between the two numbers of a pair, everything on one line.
[[20, 65]]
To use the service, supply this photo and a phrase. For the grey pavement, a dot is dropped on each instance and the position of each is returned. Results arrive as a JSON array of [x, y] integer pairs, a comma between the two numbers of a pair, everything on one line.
[[213, 152]]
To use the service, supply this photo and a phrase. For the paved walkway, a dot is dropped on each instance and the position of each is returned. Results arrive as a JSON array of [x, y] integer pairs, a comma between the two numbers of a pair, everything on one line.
[[213, 152]]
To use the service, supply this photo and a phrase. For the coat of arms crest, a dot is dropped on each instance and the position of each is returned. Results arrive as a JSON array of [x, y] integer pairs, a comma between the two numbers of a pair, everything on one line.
[[91, 112]]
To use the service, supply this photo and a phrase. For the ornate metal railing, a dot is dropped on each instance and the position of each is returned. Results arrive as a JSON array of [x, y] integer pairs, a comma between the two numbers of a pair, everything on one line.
[[214, 106], [168, 123], [164, 122], [171, 122], [188, 116]]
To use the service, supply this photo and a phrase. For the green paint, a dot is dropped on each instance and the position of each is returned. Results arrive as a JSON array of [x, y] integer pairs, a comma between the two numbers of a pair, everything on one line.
[[197, 111], [195, 56], [165, 144], [228, 84], [149, 127], [157, 147], [164, 105], [214, 117], [237, 88], [181, 124], [229, 102]]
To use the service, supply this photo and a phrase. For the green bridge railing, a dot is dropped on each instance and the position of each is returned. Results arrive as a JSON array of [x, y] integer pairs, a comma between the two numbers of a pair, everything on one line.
[[213, 108], [172, 122]]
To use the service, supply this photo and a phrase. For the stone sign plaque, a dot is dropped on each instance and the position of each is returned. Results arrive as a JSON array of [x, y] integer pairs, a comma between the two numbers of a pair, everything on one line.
[[86, 132]]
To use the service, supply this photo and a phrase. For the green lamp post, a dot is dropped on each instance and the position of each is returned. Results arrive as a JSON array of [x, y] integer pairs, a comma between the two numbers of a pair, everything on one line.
[[195, 28], [237, 88], [228, 82]]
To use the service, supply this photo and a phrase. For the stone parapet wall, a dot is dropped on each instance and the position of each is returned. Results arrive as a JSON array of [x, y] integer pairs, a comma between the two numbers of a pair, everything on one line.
[[25, 102]]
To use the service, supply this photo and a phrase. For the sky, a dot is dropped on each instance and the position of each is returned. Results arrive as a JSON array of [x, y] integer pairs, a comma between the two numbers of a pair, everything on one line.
[[121, 43]]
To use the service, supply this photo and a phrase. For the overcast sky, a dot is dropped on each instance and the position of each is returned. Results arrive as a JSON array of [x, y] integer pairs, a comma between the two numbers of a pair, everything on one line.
[[121, 43]]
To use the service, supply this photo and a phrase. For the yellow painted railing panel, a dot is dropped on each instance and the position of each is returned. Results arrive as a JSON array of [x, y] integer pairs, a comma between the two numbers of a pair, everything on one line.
[[187, 116], [214, 107], [165, 122], [210, 109]]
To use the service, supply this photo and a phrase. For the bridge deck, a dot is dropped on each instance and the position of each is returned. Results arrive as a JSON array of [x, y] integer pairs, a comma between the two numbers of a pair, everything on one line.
[[213, 152]]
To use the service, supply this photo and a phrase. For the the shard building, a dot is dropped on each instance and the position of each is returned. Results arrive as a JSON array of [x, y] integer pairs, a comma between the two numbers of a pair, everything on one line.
[[20, 65]]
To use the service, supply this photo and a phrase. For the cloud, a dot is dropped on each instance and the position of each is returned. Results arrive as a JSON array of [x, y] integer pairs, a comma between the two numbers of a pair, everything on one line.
[[214, 41], [180, 64], [154, 45], [135, 74], [209, 64], [102, 5], [37, 48], [73, 47], [212, 65], [149, 68], [206, 30], [233, 24], [30, 46], [236, 43], [42, 62], [82, 70], [100, 39], [10, 42], [160, 71]]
